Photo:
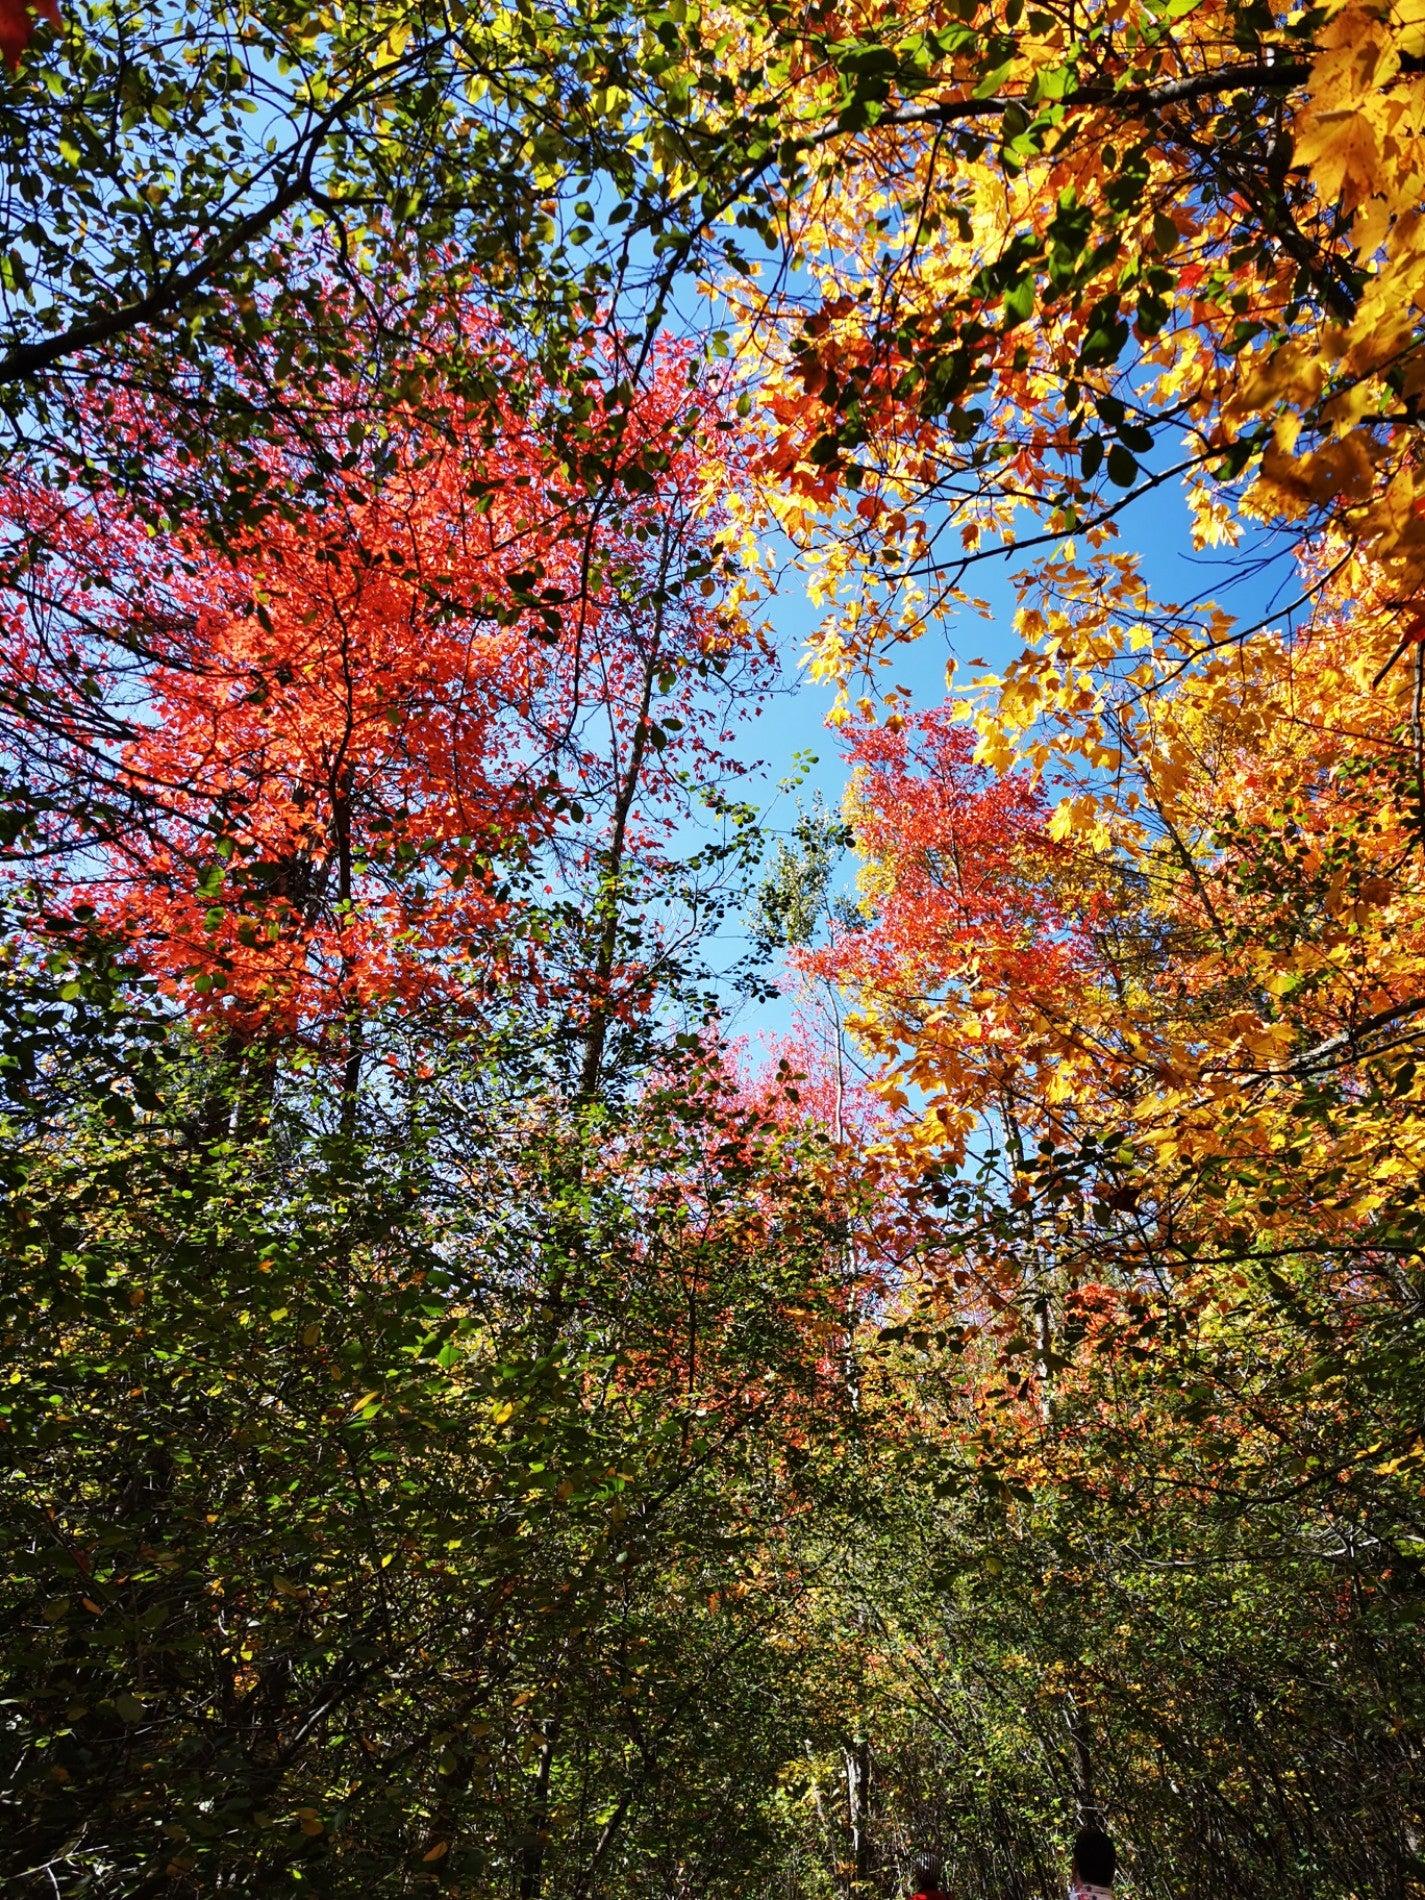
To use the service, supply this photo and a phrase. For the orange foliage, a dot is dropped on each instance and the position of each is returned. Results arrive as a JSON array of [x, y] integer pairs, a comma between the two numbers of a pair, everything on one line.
[[321, 752]]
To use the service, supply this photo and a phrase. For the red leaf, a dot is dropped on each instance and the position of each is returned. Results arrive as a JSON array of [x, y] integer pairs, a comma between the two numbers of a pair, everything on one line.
[[17, 26]]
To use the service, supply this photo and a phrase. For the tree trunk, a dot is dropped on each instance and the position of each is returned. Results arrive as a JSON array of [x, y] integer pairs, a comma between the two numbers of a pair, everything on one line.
[[858, 1805]]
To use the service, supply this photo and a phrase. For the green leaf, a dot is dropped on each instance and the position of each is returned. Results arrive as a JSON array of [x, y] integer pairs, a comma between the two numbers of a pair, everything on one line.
[[1122, 466], [1019, 301]]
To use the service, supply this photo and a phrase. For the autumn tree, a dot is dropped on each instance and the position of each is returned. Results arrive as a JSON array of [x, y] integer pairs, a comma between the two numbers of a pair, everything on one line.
[[184, 184], [1142, 913], [439, 1380], [304, 772]]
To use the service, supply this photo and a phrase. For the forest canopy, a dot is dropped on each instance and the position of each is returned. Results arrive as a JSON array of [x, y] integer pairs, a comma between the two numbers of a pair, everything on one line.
[[584, 1321]]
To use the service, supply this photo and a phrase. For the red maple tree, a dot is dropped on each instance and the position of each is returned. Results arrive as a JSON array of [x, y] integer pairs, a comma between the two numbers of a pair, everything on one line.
[[312, 759]]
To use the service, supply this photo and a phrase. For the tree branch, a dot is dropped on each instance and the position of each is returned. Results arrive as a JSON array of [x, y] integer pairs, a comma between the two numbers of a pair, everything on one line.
[[29, 359], [1267, 75]]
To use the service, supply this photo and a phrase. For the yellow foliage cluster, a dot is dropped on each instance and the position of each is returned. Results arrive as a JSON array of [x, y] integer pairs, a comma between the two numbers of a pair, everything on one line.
[[1087, 253]]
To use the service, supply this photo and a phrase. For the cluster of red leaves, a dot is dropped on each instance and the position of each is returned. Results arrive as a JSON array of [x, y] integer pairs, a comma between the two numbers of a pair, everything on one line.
[[17, 26], [325, 747], [957, 872]]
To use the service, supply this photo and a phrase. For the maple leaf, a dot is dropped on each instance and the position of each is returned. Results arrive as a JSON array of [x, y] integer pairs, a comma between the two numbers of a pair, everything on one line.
[[1340, 150]]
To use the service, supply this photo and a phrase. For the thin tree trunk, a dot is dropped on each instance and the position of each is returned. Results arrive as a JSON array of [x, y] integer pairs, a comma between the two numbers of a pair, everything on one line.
[[537, 1833], [858, 1805], [1082, 1767], [611, 891]]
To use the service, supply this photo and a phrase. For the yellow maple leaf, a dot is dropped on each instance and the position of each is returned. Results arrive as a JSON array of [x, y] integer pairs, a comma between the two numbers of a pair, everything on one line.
[[1340, 150]]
